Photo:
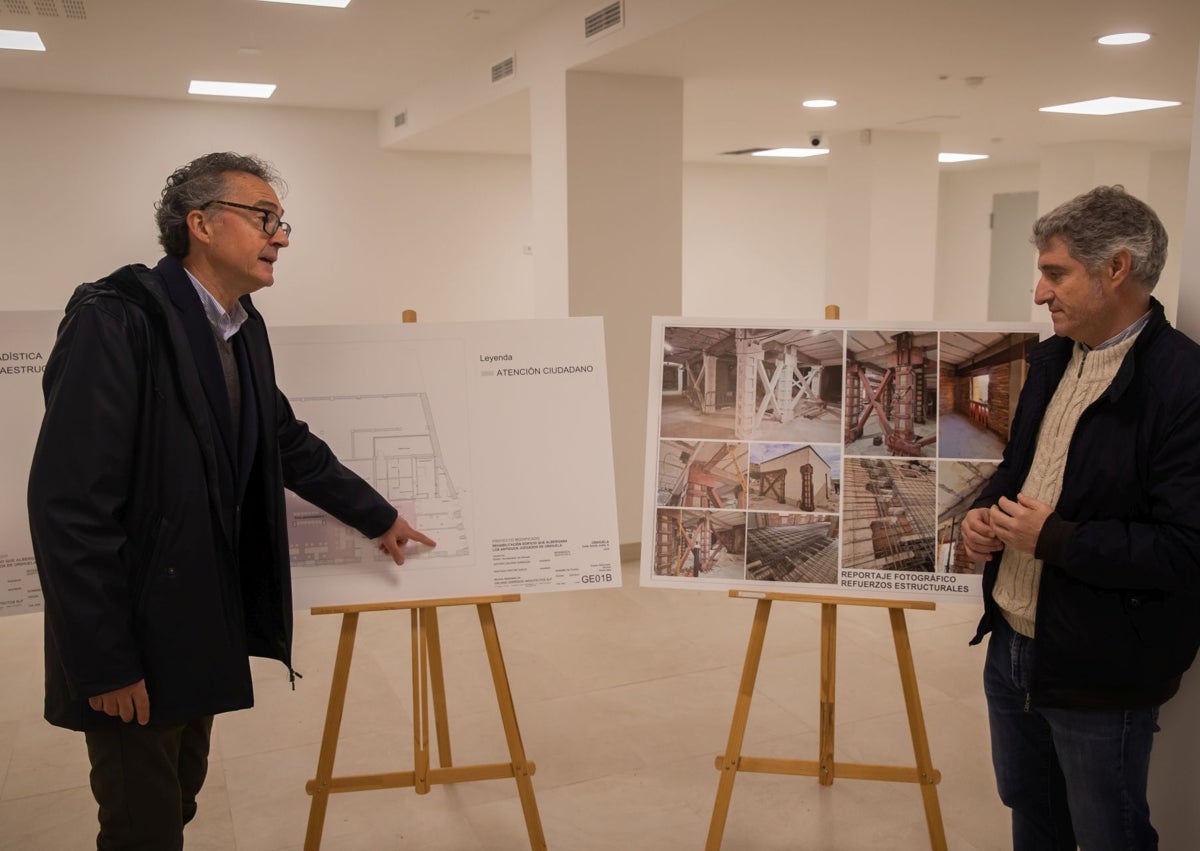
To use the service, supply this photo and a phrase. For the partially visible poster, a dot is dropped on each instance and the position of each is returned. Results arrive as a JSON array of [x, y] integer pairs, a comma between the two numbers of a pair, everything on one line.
[[26, 338], [493, 438], [831, 457]]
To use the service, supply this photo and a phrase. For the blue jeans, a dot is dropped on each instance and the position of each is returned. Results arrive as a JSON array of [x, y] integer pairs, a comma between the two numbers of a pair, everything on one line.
[[1068, 775]]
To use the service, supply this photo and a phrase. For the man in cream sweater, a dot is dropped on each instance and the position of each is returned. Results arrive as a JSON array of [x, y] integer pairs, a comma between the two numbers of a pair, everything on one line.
[[1091, 532]]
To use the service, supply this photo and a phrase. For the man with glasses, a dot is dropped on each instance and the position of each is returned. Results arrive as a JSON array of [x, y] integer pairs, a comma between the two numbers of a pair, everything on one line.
[[156, 499]]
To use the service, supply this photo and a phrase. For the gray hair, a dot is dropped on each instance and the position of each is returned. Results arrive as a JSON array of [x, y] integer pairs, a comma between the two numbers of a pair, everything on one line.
[[192, 186], [1098, 224]]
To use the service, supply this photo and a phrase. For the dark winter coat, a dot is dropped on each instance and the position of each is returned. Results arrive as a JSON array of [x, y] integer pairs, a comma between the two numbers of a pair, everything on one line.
[[159, 535], [1118, 610]]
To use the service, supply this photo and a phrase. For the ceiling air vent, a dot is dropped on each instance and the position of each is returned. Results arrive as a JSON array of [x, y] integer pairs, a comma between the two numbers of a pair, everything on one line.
[[503, 69], [604, 20], [400, 119], [47, 8]]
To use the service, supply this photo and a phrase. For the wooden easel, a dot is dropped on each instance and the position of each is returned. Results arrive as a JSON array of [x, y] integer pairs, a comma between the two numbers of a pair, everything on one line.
[[825, 768], [427, 677]]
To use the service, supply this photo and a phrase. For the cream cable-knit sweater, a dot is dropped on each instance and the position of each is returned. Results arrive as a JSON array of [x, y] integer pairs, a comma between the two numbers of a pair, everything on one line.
[[1088, 375]]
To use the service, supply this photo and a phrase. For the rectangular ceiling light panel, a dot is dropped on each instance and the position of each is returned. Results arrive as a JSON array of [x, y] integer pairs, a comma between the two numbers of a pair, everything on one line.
[[791, 152], [334, 4], [1109, 106], [231, 90], [20, 40]]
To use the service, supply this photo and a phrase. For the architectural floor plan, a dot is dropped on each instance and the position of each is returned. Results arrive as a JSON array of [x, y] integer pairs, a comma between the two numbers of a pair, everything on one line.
[[391, 441]]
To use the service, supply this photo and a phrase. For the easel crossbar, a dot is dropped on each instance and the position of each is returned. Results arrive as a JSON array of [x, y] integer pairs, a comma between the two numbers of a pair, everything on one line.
[[812, 768], [406, 779], [436, 603], [869, 602]]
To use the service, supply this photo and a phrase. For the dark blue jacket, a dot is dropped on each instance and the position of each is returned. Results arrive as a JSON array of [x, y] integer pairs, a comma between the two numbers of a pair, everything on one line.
[[160, 536], [1118, 610]]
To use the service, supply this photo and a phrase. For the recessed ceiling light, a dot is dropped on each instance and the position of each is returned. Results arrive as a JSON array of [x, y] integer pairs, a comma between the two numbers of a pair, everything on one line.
[[791, 152], [819, 103], [1109, 106], [960, 158], [20, 40], [336, 4], [1124, 38], [231, 90]]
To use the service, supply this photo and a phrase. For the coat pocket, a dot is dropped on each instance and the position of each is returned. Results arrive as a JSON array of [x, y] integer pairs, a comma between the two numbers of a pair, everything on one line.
[[153, 570]]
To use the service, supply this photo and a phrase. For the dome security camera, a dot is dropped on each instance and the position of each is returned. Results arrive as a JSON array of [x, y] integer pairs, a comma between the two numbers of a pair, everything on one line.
[[816, 138]]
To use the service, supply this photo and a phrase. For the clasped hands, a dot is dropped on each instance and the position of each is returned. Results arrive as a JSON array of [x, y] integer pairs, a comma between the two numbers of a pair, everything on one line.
[[1006, 524]]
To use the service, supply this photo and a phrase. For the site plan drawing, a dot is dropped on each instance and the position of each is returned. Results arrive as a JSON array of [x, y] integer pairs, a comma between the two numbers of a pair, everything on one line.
[[828, 457], [400, 457]]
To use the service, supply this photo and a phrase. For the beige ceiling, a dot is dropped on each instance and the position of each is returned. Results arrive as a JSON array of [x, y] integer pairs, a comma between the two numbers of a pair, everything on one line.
[[746, 65]]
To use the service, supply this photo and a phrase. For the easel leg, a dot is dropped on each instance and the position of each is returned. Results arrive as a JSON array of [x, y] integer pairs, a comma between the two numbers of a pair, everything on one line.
[[319, 788], [737, 729], [420, 685], [508, 715], [437, 682], [828, 687], [916, 724]]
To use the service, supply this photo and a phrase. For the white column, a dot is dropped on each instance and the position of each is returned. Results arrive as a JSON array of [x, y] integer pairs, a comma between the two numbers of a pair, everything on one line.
[[548, 167], [881, 250], [624, 191], [1175, 765]]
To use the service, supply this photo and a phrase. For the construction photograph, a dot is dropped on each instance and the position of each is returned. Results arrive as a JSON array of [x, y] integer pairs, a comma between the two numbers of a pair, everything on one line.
[[700, 544], [959, 485], [980, 375], [702, 474], [891, 393], [888, 510], [752, 384], [791, 477], [793, 548]]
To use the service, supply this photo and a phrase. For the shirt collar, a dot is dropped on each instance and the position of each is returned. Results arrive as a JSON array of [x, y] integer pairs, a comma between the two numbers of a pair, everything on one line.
[[1132, 330], [226, 323]]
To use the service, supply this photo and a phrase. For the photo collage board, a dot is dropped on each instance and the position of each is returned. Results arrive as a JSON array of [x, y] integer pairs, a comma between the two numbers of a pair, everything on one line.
[[830, 458]]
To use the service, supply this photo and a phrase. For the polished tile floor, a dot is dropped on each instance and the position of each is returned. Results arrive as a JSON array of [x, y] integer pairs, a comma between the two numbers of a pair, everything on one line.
[[624, 697]]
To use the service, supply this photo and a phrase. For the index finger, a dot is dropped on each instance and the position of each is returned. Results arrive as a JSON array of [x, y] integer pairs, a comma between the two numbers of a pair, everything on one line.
[[414, 535]]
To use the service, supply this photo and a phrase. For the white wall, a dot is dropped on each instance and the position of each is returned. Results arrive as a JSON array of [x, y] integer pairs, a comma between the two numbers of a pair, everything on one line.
[[380, 231], [964, 237], [754, 241], [375, 231], [1168, 197]]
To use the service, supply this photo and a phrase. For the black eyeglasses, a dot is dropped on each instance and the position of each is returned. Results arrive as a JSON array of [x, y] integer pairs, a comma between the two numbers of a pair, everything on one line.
[[271, 223]]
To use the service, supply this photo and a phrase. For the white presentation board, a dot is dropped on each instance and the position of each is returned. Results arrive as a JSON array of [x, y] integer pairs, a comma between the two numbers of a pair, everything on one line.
[[829, 457], [26, 338], [493, 438]]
